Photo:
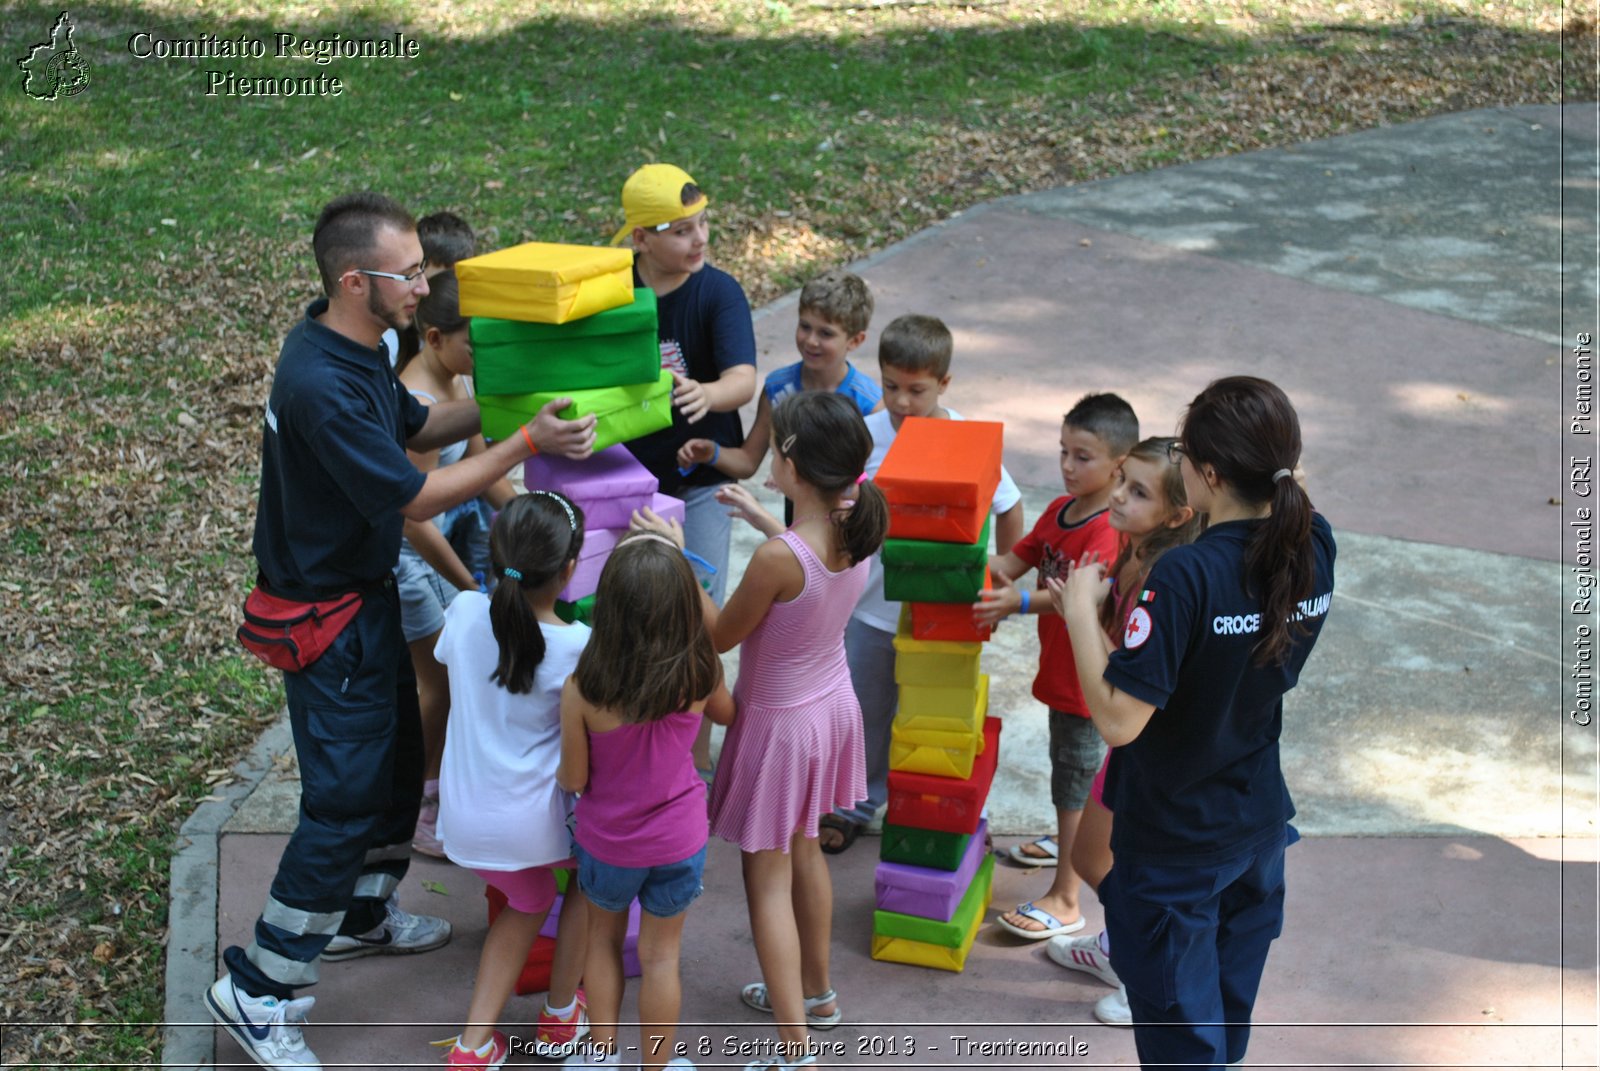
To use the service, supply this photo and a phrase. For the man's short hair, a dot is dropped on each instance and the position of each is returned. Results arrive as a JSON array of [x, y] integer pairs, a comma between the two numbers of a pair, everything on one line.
[[916, 343], [842, 298], [347, 230]]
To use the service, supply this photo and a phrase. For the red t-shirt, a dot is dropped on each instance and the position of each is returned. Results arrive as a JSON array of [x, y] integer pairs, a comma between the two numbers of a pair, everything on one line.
[[1048, 548]]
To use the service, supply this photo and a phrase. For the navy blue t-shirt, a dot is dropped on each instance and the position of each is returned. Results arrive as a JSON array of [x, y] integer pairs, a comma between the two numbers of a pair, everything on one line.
[[334, 471], [1202, 783], [705, 328]]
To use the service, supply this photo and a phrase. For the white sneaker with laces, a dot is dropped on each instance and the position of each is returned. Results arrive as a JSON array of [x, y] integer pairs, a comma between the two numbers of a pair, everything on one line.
[[1082, 953], [400, 933], [1112, 1009], [268, 1029]]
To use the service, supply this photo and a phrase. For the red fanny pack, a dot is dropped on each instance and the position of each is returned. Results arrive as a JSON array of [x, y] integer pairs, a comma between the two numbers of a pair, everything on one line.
[[291, 635]]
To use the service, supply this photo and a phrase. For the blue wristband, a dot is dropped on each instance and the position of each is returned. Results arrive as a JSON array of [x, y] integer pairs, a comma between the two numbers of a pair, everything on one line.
[[1025, 601], [716, 452]]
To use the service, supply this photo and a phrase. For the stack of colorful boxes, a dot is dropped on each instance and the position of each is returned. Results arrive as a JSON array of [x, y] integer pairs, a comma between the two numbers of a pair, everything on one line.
[[552, 321], [934, 881], [608, 487]]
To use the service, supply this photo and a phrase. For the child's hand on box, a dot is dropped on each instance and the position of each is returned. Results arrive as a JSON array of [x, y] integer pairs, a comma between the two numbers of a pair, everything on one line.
[[647, 520], [689, 396], [996, 603]]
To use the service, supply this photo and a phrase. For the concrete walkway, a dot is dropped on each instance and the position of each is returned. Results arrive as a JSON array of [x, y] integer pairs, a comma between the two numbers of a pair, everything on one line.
[[1404, 286]]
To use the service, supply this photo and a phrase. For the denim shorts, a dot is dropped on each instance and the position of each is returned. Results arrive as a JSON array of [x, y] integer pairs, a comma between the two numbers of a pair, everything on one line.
[[664, 891], [1076, 752], [424, 594]]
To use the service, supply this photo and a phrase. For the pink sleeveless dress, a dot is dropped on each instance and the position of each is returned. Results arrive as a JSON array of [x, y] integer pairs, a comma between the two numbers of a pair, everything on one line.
[[794, 752]]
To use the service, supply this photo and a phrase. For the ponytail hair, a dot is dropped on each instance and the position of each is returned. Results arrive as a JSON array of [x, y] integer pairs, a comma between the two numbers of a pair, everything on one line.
[[533, 540], [1248, 432], [441, 308], [823, 434], [650, 654]]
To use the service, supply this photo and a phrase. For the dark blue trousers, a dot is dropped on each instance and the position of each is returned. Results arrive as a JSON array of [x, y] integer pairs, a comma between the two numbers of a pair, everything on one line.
[[358, 738], [1190, 943]]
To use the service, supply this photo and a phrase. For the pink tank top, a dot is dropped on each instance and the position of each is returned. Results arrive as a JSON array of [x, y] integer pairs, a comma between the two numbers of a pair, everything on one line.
[[645, 805]]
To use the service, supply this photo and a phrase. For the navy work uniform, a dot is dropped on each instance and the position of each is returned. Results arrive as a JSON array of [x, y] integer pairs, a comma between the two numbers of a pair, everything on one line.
[[1195, 895], [334, 477]]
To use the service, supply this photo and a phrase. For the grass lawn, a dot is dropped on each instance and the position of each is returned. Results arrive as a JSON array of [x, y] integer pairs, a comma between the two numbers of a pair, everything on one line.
[[160, 249]]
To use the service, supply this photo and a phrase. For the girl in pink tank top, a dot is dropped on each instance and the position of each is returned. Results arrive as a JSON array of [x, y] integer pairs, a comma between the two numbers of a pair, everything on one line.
[[629, 716], [796, 751]]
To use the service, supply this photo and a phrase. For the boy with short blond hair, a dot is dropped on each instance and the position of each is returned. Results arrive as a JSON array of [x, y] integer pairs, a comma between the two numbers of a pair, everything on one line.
[[1096, 436], [914, 354]]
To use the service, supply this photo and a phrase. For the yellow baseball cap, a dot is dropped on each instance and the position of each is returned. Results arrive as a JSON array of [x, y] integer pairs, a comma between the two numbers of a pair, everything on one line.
[[652, 198]]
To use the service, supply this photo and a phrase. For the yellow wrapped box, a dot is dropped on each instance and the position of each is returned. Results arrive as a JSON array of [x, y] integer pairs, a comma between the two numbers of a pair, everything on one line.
[[545, 283], [934, 663], [934, 752], [943, 710], [890, 933]]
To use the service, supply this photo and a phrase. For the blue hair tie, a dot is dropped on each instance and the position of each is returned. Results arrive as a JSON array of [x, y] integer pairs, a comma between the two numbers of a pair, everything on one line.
[[511, 574]]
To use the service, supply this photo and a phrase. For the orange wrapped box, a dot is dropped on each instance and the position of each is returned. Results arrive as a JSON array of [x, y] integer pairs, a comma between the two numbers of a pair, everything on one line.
[[940, 477]]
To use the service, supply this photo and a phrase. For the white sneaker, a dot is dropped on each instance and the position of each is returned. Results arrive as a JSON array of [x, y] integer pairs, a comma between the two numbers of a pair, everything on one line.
[[268, 1029], [1112, 1009], [400, 933], [1082, 953]]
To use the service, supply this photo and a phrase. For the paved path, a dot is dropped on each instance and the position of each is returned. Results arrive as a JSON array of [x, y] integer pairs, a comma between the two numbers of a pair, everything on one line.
[[1404, 286]]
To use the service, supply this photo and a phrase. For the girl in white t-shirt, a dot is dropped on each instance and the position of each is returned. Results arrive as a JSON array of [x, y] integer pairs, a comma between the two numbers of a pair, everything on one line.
[[501, 813]]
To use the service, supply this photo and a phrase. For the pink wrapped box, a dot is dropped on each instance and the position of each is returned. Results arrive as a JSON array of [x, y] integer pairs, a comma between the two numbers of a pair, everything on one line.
[[597, 545], [630, 943], [609, 485], [927, 893]]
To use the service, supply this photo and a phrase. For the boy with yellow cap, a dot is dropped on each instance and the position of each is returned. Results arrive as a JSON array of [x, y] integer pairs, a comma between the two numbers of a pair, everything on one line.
[[708, 342]]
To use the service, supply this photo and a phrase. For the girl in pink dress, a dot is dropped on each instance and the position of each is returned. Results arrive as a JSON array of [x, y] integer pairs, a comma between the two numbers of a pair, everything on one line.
[[795, 752]]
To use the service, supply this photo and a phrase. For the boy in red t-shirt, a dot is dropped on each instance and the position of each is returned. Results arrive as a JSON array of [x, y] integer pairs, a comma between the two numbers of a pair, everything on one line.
[[1095, 437]]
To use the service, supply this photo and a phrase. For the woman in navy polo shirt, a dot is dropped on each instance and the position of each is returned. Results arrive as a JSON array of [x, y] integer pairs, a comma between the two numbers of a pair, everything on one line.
[[1193, 705]]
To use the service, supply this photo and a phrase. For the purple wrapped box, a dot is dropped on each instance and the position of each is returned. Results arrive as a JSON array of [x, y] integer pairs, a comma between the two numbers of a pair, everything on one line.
[[928, 893], [630, 943], [597, 545], [609, 485]]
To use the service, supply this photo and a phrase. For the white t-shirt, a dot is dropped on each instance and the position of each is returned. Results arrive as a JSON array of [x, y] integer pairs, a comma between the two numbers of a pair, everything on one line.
[[499, 805], [873, 609]]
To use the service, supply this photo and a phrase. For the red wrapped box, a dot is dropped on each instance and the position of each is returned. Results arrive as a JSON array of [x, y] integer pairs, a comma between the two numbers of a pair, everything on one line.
[[947, 804]]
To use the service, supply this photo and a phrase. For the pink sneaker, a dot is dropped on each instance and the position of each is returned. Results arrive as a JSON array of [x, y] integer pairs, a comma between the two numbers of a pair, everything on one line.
[[557, 1037], [426, 838], [491, 1060]]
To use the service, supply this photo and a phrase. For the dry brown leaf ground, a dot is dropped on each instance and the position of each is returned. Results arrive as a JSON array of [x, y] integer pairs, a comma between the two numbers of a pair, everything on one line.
[[126, 511]]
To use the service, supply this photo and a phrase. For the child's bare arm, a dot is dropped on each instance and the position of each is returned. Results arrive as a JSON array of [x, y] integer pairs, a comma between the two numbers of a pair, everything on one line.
[[740, 462], [1008, 528], [430, 543], [773, 573], [573, 772], [719, 705]]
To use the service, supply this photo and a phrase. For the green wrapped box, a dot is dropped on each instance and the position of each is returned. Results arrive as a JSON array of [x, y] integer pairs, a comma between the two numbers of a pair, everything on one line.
[[582, 610], [920, 570], [613, 348], [932, 848], [625, 412], [950, 934]]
